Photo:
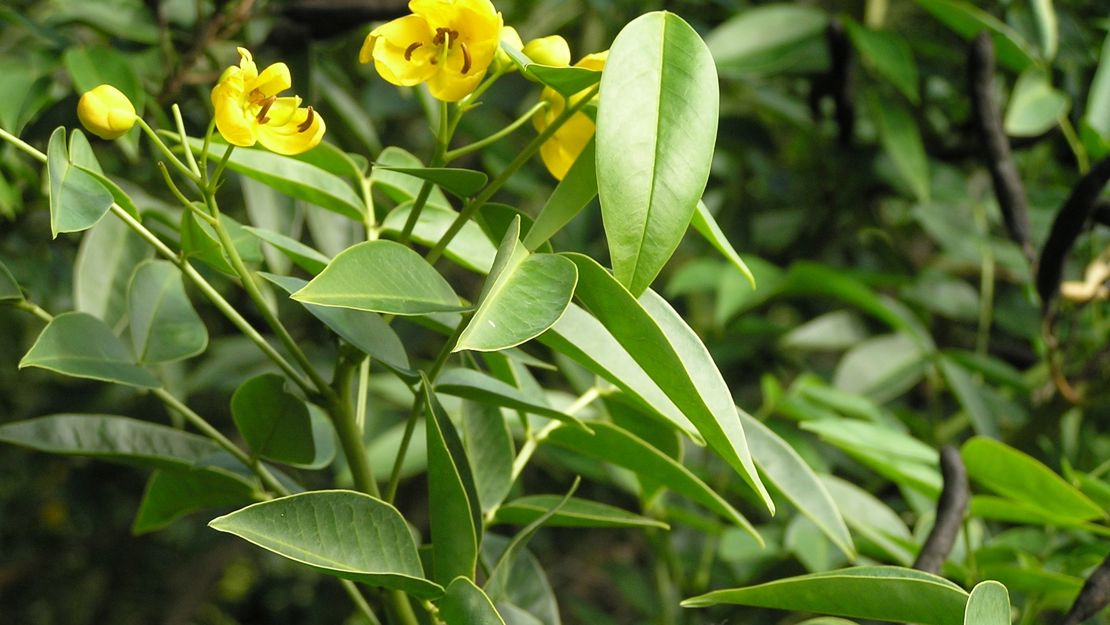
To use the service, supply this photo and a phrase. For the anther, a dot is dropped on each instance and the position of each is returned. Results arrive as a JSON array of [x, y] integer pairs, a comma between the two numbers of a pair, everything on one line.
[[412, 48], [307, 121], [266, 104], [466, 58]]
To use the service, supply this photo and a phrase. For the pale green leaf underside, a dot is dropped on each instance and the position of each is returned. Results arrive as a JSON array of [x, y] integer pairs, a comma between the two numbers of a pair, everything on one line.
[[80, 345]]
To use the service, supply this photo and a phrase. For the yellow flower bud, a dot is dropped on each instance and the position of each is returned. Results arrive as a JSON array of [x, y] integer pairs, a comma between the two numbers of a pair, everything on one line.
[[106, 112], [501, 61], [550, 50]]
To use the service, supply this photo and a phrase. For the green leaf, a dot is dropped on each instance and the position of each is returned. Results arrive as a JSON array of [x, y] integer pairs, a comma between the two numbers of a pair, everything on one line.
[[989, 604], [1021, 511], [466, 604], [80, 345], [970, 392], [463, 183], [707, 227], [172, 493], [489, 446], [656, 128], [881, 367], [889, 55], [896, 455], [381, 276], [967, 20], [902, 142], [673, 356], [577, 189], [111, 438], [334, 160], [1047, 27], [615, 445], [398, 186], [164, 326], [9, 288], [199, 240], [885, 593], [524, 295], [785, 469], [565, 80], [871, 519], [77, 199], [454, 507], [477, 386], [131, 21], [1097, 114], [365, 330], [296, 179], [1007, 471], [97, 65], [770, 39], [470, 249], [305, 257], [336, 532], [574, 513], [274, 422], [1035, 105]]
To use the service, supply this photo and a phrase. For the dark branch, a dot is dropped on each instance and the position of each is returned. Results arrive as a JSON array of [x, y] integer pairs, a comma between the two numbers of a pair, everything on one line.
[[1004, 174], [1093, 598], [840, 80], [1069, 223], [950, 513]]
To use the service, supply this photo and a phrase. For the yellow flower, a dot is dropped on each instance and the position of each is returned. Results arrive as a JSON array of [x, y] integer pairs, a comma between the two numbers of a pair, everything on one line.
[[501, 61], [106, 112], [562, 149], [249, 111], [550, 50], [448, 44]]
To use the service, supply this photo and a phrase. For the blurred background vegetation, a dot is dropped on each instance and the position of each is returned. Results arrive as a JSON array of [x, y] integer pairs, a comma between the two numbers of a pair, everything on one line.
[[849, 174]]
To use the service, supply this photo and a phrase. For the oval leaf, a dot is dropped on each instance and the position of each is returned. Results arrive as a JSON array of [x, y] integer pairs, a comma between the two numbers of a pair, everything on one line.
[[172, 493], [567, 80], [106, 260], [164, 326], [570, 196], [470, 249], [77, 199], [1035, 106], [466, 604], [480, 387], [305, 257], [656, 128], [989, 604], [337, 532], [770, 39], [81, 346], [274, 422], [463, 183]]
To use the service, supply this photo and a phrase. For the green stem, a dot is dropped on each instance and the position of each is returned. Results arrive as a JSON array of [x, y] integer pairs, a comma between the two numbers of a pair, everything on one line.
[[443, 139], [35, 310], [214, 181], [472, 207], [360, 399], [189, 158], [165, 150], [532, 442], [23, 145], [204, 151], [497, 136], [348, 430], [189, 206], [1075, 144], [360, 602]]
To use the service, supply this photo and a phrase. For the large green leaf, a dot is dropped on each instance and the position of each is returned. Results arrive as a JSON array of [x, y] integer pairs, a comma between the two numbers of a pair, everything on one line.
[[968, 21], [77, 199], [381, 276], [615, 445], [570, 196], [1035, 105], [785, 469], [524, 295], [656, 128], [889, 55], [454, 509], [884, 593], [872, 519], [274, 422], [365, 330], [574, 513], [771, 38], [477, 386], [489, 446], [471, 248], [337, 532], [305, 257], [111, 438], [901, 140], [657, 338], [989, 604], [172, 493], [463, 183], [1009, 472], [466, 604], [80, 345], [9, 288], [164, 326]]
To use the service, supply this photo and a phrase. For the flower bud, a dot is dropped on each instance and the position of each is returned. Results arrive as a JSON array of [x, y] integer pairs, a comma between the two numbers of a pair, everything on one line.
[[550, 50], [501, 61], [106, 112]]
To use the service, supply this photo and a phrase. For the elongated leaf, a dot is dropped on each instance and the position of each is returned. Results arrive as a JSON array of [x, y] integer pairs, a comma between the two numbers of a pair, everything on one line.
[[172, 493], [577, 189], [80, 345], [992, 508], [454, 508], [164, 326], [885, 593], [896, 455], [785, 469], [574, 513], [970, 394], [480, 387], [365, 330], [1097, 114], [1035, 105], [889, 55], [9, 288], [967, 20], [77, 199], [902, 141], [656, 128], [524, 295], [771, 38], [673, 356], [1047, 27], [565, 80], [612, 444], [398, 186], [295, 178], [707, 227], [305, 257], [466, 604], [463, 183], [381, 276], [274, 422], [336, 532], [111, 438], [1009, 472], [989, 604], [470, 249], [871, 519], [489, 445]]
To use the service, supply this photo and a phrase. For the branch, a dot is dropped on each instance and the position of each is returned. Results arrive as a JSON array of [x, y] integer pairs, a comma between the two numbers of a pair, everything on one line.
[[1093, 598], [1004, 174], [840, 80], [1069, 223], [950, 513]]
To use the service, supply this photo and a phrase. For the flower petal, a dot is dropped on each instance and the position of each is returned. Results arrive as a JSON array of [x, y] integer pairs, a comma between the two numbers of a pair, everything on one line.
[[272, 81], [451, 86], [304, 131], [403, 51], [232, 119]]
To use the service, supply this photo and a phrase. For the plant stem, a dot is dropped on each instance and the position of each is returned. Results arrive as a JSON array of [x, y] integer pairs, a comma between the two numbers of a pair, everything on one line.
[[472, 207], [532, 442], [165, 150], [1082, 160], [443, 139], [348, 430], [189, 158], [23, 145], [497, 136], [35, 310]]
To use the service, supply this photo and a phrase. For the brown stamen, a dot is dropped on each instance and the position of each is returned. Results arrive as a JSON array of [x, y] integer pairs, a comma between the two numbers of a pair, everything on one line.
[[466, 58], [445, 33], [307, 121], [266, 104], [412, 48]]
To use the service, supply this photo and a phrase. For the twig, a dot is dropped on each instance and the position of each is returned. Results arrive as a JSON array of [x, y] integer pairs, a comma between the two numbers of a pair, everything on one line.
[[1004, 174], [1069, 223], [1093, 598], [950, 513], [840, 80]]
